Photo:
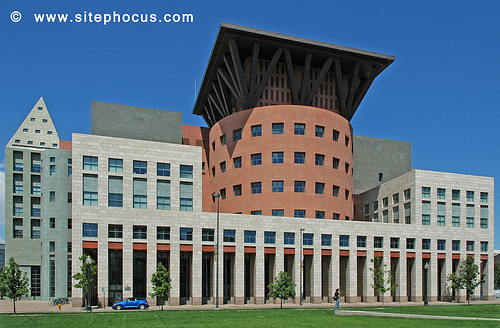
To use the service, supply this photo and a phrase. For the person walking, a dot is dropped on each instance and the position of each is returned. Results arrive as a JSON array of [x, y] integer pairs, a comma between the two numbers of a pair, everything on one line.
[[336, 298]]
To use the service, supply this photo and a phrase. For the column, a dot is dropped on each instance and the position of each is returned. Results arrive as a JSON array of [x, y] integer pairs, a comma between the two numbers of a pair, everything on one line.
[[352, 278], [196, 283], [260, 297], [316, 289]]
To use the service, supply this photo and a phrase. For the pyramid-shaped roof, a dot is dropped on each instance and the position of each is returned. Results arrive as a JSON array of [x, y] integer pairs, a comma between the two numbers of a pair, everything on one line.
[[37, 130]]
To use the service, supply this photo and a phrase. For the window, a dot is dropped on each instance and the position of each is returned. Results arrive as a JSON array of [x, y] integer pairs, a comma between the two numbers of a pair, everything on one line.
[[115, 191], [18, 210], [237, 162], [163, 195], [346, 141], [90, 230], [237, 135], [115, 231], [18, 189], [140, 193], [336, 216], [52, 223], [256, 130], [455, 194], [346, 167], [237, 190], [336, 135], [455, 245], [140, 167], [269, 237], [300, 186], [395, 214], [470, 246], [186, 234], [186, 196], [278, 186], [346, 194], [308, 239], [484, 217], [441, 214], [256, 187], [299, 213], [319, 131], [361, 241], [336, 190], [70, 247], [394, 242], [320, 214], [25, 130], [70, 224], [35, 228], [52, 170], [186, 171], [115, 165], [378, 242], [484, 197], [223, 193], [426, 192], [18, 166], [258, 212], [336, 163], [299, 158], [484, 246], [326, 240], [90, 189], [470, 216], [407, 194], [300, 129], [385, 215], [426, 244], [410, 243], [90, 163], [385, 202], [52, 246], [441, 193], [395, 199], [70, 171], [278, 128], [207, 235], [319, 159], [213, 146], [278, 212], [375, 205], [455, 212], [18, 228], [289, 238], [319, 188], [407, 213], [163, 169], [426, 213], [256, 159], [470, 196], [278, 157], [249, 237], [344, 241], [441, 245], [139, 232], [223, 140], [222, 167], [229, 236]]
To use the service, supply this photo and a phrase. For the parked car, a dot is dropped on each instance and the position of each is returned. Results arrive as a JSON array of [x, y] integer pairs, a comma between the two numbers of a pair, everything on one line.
[[131, 303]]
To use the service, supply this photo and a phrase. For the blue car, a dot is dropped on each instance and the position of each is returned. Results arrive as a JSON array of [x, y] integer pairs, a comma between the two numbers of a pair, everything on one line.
[[131, 303]]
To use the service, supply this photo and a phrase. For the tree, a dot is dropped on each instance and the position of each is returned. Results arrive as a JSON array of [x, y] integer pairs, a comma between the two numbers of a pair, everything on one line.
[[380, 281], [161, 284], [284, 288], [82, 275], [497, 275], [467, 277], [13, 282]]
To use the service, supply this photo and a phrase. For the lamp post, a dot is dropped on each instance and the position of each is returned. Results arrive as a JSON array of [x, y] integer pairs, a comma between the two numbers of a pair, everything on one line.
[[301, 264], [426, 267], [89, 262], [217, 195]]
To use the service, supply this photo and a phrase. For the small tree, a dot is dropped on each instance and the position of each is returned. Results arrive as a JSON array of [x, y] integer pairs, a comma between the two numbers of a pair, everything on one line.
[[13, 282], [467, 277], [284, 288], [82, 276], [161, 284], [380, 281], [456, 282]]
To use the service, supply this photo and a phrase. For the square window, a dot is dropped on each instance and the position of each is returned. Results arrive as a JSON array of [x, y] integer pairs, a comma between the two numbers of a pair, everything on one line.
[[256, 187], [237, 190], [256, 159], [484, 197], [426, 244], [326, 240], [278, 157], [289, 238], [186, 171], [90, 230], [319, 159], [237, 162], [237, 135], [336, 216], [115, 231], [470, 246], [299, 213], [320, 214], [336, 135], [300, 129], [163, 169], [484, 246], [256, 130], [278, 212], [410, 243], [319, 131], [115, 165], [344, 241], [139, 232], [426, 192], [269, 237], [140, 167], [319, 188], [361, 241], [470, 196], [455, 245], [229, 236], [378, 242], [163, 233], [299, 158], [249, 237], [441, 193], [278, 128], [186, 234], [394, 242], [278, 186], [308, 239], [208, 235], [299, 186], [90, 163], [455, 194], [441, 245]]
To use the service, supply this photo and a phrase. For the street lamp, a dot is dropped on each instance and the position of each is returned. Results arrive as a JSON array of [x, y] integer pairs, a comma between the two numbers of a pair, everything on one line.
[[88, 260], [217, 195], [301, 264], [426, 267]]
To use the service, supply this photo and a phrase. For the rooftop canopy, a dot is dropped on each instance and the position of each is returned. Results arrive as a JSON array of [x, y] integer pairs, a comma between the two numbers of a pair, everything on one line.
[[245, 62]]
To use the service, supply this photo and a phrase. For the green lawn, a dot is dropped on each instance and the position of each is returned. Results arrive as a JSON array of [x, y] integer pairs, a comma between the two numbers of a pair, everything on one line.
[[226, 318], [463, 310]]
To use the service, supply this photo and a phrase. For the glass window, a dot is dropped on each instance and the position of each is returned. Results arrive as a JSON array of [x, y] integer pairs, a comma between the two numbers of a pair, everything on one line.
[[70, 171], [186, 234], [484, 197], [300, 186], [407, 194], [320, 214], [115, 231], [289, 238], [455, 212], [223, 193], [484, 246], [470, 216], [90, 163], [115, 165], [375, 206], [278, 157], [52, 170], [163, 169], [52, 223], [470, 196], [299, 158], [426, 244], [336, 135], [139, 232], [222, 167], [394, 242], [455, 245], [441, 245], [455, 194], [426, 192], [300, 129], [441, 193], [278, 186], [278, 128], [208, 235], [237, 162], [258, 212], [163, 233], [378, 242], [308, 239], [256, 187], [163, 195], [326, 240], [319, 159], [186, 196], [336, 190], [256, 159], [115, 191], [140, 167], [90, 230], [336, 216], [140, 193], [223, 140], [470, 246], [90, 190], [269, 237], [237, 135], [441, 214], [385, 202], [278, 212], [52, 246], [299, 213], [484, 217], [186, 171], [229, 236], [237, 190], [320, 188], [249, 236], [319, 131], [410, 243], [344, 241], [256, 130], [395, 199]]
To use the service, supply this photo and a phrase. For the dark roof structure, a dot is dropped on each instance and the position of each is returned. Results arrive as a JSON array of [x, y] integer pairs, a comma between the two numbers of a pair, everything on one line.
[[233, 82]]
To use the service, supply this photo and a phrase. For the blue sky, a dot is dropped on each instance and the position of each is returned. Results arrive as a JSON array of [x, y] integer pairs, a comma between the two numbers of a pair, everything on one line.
[[441, 93]]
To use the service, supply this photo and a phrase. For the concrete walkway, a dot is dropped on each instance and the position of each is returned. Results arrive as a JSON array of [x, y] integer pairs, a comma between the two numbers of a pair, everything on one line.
[[401, 315]]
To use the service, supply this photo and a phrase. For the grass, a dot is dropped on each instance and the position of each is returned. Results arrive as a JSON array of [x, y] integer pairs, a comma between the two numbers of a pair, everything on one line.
[[463, 310], [229, 318]]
